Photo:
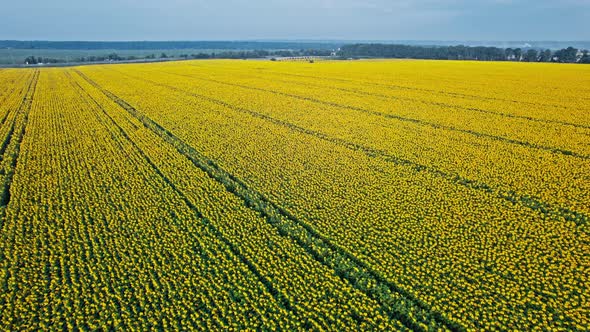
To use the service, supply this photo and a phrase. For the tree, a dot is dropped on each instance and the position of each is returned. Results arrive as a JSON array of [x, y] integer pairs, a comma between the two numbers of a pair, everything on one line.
[[585, 57], [531, 55], [114, 57], [566, 55], [517, 54], [509, 53], [545, 56], [31, 60], [459, 52]]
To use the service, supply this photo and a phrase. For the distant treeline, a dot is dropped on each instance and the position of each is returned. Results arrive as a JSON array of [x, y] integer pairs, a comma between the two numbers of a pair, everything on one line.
[[481, 53], [164, 45], [258, 54], [566, 55], [32, 60]]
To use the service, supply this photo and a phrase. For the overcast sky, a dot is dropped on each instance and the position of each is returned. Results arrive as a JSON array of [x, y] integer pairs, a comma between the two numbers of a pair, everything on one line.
[[295, 19]]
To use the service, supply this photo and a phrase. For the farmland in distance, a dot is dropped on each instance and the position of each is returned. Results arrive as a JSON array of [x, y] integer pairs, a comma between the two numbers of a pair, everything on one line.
[[259, 195]]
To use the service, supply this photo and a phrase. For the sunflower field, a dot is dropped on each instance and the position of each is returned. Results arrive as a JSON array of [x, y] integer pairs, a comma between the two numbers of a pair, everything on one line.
[[230, 195]]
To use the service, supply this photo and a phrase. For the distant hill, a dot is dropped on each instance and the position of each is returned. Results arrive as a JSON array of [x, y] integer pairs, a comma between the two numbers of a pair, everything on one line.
[[552, 45], [165, 45]]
